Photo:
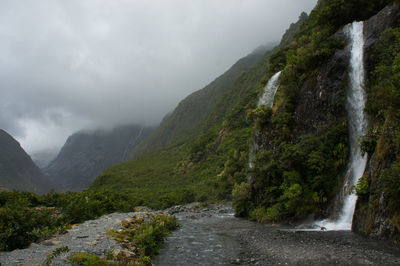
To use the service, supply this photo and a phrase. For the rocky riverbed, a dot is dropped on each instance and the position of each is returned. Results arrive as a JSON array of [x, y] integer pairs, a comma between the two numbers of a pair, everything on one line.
[[211, 235]]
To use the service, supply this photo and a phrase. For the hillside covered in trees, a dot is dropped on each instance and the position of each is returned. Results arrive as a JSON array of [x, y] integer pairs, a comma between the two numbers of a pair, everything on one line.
[[203, 151]]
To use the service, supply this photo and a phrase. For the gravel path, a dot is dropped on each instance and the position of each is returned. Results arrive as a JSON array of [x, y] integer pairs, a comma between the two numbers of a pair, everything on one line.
[[90, 237]]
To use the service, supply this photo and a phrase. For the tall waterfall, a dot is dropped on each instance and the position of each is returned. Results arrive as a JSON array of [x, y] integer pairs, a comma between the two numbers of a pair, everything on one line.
[[266, 99], [357, 127]]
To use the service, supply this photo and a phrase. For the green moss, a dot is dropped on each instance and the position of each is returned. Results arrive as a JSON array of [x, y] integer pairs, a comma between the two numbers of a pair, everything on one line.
[[86, 259]]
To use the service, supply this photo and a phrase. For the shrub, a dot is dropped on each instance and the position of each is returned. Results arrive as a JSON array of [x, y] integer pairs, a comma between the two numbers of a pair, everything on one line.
[[241, 195]]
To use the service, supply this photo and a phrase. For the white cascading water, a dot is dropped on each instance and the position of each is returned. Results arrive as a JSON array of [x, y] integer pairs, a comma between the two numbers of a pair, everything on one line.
[[357, 127], [266, 99], [270, 89]]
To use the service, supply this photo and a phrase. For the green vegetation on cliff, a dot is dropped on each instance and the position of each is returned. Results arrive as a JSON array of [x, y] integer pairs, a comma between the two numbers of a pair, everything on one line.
[[200, 152], [379, 189], [303, 152], [300, 166]]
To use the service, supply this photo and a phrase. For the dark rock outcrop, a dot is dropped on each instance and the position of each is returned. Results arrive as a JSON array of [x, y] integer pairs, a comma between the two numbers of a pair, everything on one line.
[[86, 154], [17, 170], [289, 34], [372, 216]]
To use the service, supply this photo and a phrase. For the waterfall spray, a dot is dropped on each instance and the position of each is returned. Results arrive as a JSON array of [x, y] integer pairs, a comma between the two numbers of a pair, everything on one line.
[[357, 126]]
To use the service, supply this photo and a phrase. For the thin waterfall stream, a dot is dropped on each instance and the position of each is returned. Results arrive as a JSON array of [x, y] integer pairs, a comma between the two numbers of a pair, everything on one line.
[[266, 99], [357, 127]]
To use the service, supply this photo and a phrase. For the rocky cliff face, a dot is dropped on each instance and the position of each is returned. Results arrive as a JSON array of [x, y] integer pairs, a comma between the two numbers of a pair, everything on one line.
[[373, 215], [304, 142], [17, 170], [86, 154]]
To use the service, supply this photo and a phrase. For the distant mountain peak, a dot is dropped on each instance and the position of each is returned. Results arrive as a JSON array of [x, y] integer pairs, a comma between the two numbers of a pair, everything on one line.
[[17, 170]]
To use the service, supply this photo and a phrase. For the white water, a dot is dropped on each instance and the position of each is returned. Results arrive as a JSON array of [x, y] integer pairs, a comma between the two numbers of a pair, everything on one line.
[[266, 99], [270, 89], [357, 127]]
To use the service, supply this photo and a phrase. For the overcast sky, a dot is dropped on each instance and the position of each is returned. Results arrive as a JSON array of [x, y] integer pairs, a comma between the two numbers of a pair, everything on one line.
[[67, 65]]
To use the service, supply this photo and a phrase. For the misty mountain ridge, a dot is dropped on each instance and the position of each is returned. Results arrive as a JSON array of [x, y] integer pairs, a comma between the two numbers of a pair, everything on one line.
[[278, 136], [192, 112], [193, 142], [44, 157], [88, 152], [17, 170]]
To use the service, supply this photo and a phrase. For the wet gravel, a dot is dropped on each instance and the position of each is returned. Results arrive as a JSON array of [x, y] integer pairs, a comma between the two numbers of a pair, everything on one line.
[[213, 236]]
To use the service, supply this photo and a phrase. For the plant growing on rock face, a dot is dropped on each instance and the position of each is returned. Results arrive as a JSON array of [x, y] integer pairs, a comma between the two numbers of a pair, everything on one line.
[[368, 144], [262, 117]]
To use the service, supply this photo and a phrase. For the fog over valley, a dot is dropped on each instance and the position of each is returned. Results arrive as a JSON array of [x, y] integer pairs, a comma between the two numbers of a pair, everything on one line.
[[85, 64]]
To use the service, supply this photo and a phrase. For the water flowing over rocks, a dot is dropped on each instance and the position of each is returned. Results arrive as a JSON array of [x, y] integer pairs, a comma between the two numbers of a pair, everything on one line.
[[357, 122]]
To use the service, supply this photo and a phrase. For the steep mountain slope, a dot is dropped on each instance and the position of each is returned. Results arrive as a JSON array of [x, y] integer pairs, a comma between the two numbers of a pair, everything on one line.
[[304, 140], [189, 115], [86, 154], [17, 170], [190, 165]]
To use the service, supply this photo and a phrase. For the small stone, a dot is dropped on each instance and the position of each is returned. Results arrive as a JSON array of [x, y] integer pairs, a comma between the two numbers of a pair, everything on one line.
[[50, 242]]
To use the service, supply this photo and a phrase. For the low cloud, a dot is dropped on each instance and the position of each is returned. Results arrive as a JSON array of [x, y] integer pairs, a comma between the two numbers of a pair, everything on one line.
[[70, 65]]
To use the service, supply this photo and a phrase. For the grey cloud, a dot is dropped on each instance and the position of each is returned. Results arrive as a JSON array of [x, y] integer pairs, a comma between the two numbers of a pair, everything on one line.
[[67, 65]]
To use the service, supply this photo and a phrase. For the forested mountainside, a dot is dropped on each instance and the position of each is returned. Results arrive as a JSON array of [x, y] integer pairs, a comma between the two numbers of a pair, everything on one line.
[[303, 141], [87, 153], [189, 116], [281, 159], [190, 164], [17, 170]]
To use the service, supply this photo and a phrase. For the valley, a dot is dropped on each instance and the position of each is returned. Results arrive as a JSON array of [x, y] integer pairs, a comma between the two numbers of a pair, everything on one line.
[[290, 157], [211, 235]]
